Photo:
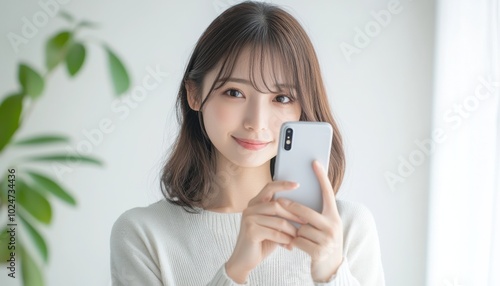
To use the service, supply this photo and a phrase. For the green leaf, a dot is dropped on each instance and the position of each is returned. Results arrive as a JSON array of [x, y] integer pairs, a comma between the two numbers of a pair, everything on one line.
[[30, 270], [45, 183], [65, 15], [56, 48], [10, 115], [4, 192], [75, 58], [4, 188], [87, 24], [119, 75], [4, 250], [33, 202], [31, 82], [64, 158], [41, 139], [37, 239]]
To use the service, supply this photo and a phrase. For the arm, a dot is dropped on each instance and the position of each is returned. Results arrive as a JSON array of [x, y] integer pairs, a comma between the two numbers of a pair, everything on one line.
[[364, 249], [131, 260], [361, 247], [343, 277], [222, 279], [134, 260], [343, 234], [362, 264]]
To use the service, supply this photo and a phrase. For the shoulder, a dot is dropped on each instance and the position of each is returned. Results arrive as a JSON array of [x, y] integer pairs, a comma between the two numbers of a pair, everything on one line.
[[350, 210], [361, 243], [356, 217], [142, 218]]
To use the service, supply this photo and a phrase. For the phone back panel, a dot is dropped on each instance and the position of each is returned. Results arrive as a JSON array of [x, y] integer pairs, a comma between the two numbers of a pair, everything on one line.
[[311, 141]]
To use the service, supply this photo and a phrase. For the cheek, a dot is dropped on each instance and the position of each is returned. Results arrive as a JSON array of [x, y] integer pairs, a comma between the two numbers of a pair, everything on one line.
[[224, 113], [282, 115], [220, 114], [297, 110]]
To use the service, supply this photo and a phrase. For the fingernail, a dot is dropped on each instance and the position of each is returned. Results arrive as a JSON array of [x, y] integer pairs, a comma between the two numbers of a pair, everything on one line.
[[295, 185], [316, 162]]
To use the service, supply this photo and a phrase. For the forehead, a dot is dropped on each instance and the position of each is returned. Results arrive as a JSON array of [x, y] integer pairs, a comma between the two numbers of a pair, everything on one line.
[[261, 67]]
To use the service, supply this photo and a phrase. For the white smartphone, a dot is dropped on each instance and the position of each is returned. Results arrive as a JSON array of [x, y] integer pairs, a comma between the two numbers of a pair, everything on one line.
[[300, 143]]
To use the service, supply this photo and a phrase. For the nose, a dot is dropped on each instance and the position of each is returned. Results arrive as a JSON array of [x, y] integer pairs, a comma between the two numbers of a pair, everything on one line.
[[257, 113]]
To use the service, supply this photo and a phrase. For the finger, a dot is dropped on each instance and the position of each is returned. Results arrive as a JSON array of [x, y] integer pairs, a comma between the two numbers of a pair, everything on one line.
[[276, 223], [329, 203], [312, 234], [305, 245], [316, 252], [273, 208], [307, 215], [261, 233], [267, 193]]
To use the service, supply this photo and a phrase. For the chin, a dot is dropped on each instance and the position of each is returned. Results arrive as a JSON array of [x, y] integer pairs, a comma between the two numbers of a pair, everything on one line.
[[251, 160]]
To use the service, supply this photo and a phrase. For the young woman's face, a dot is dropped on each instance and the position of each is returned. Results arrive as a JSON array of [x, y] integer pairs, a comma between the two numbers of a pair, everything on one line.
[[237, 111]]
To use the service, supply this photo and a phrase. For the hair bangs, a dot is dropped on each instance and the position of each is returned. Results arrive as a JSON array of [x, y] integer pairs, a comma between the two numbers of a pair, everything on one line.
[[272, 68]]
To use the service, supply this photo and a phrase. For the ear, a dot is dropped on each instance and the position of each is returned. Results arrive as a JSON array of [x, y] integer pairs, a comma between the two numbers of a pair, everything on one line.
[[191, 95]]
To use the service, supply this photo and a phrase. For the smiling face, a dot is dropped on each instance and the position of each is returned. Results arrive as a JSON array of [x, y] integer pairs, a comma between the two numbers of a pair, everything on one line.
[[250, 104]]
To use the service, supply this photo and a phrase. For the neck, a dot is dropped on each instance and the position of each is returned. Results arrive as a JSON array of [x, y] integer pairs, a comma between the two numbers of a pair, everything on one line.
[[234, 186]]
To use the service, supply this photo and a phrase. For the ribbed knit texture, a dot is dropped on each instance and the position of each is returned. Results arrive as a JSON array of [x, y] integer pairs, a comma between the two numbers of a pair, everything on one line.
[[163, 245]]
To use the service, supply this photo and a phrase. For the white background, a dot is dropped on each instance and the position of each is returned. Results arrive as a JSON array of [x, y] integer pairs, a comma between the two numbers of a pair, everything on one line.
[[381, 99]]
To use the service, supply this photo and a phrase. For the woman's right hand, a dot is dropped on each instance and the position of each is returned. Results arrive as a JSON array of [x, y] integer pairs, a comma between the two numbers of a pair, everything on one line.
[[263, 227]]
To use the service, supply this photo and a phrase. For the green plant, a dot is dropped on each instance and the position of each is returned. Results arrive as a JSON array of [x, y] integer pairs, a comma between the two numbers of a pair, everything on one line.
[[26, 194]]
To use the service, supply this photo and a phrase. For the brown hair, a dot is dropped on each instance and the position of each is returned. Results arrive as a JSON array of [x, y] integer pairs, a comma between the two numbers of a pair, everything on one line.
[[187, 177]]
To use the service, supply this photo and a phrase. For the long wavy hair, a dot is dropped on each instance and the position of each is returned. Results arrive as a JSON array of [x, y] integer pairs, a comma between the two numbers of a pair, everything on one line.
[[188, 174]]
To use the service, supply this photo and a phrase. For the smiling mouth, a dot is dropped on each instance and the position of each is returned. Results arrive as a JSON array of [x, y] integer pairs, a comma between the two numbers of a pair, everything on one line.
[[251, 145]]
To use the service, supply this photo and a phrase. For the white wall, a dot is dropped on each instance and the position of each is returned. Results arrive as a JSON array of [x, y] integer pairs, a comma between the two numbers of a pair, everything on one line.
[[381, 98]]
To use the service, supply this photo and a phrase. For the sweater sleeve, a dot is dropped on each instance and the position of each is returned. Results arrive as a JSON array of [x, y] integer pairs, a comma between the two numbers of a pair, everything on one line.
[[222, 279], [343, 277], [362, 264], [133, 258], [132, 262]]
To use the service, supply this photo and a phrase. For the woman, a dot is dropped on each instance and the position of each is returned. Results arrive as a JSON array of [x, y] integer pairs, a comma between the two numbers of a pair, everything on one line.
[[251, 70]]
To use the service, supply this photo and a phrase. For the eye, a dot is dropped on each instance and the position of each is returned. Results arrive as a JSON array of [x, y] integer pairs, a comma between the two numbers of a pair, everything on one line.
[[285, 99], [233, 93]]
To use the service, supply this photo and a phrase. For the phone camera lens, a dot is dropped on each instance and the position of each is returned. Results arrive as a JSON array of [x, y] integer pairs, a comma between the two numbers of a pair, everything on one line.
[[289, 139]]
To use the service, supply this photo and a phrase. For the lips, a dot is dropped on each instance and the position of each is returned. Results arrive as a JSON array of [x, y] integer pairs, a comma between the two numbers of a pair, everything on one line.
[[251, 144]]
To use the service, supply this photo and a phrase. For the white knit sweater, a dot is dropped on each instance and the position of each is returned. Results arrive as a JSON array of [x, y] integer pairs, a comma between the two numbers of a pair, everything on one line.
[[163, 245]]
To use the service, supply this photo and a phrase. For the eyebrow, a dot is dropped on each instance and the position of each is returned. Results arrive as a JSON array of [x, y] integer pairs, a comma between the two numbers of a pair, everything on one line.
[[247, 82]]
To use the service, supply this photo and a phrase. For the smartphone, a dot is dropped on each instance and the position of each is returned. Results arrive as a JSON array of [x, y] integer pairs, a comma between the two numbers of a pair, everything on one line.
[[300, 143]]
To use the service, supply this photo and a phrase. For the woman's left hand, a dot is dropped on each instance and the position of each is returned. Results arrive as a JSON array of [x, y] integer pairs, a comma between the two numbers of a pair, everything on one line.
[[322, 236]]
